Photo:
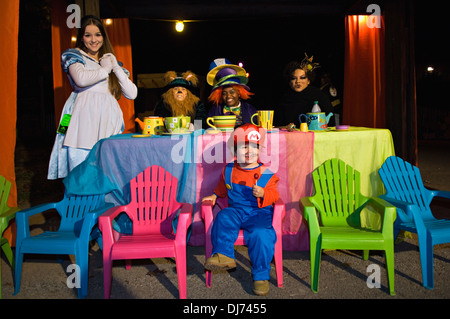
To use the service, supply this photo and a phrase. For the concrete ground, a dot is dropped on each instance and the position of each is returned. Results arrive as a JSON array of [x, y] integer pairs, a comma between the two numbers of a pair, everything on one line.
[[344, 275]]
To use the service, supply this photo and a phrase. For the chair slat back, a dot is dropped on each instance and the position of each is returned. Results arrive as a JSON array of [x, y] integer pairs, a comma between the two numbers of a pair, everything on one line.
[[404, 182], [5, 187], [73, 209], [153, 194], [337, 192]]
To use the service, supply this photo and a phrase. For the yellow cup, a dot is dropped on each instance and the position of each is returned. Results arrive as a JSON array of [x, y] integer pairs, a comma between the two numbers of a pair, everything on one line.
[[225, 123], [177, 124], [265, 119], [304, 127], [153, 125]]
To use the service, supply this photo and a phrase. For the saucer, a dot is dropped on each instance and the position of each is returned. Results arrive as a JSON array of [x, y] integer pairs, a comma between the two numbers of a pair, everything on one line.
[[142, 135], [176, 133], [213, 131]]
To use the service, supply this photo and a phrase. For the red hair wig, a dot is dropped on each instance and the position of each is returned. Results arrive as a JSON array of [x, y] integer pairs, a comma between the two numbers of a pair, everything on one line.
[[216, 95]]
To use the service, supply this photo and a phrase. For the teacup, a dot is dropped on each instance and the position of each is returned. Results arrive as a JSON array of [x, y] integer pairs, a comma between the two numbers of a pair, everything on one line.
[[177, 124], [265, 119], [153, 125], [225, 123]]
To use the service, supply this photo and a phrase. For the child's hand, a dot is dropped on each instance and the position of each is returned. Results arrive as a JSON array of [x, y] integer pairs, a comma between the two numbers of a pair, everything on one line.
[[258, 191], [212, 198]]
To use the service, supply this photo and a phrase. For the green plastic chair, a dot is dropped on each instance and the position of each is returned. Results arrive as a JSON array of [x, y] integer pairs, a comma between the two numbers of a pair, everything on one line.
[[6, 215], [334, 218]]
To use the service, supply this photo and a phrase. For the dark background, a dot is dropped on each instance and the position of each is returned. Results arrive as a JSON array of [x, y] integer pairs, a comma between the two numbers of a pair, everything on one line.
[[265, 42]]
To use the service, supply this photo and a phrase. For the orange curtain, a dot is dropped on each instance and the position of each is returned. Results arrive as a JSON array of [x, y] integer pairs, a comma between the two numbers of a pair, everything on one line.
[[364, 91], [119, 34], [9, 33]]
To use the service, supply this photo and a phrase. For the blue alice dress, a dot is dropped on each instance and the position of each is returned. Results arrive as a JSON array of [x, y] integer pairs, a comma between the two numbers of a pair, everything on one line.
[[95, 112]]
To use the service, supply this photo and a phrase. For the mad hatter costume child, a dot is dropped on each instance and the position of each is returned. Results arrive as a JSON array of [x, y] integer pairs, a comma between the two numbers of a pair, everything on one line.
[[179, 97], [229, 91], [251, 189]]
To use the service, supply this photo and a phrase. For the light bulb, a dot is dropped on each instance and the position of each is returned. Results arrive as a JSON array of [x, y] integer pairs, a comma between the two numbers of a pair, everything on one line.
[[179, 26]]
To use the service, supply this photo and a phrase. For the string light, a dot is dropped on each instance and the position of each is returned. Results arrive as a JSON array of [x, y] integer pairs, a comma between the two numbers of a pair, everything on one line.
[[179, 26], [108, 21]]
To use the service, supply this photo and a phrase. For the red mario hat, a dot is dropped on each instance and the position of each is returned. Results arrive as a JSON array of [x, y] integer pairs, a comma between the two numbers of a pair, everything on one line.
[[248, 133]]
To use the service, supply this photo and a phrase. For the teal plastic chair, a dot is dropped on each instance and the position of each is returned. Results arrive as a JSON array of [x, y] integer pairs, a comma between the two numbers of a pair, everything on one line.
[[6, 215], [405, 190], [334, 218], [79, 214]]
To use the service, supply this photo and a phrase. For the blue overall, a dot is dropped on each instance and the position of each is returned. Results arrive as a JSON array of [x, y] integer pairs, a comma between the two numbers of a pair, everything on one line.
[[243, 213]]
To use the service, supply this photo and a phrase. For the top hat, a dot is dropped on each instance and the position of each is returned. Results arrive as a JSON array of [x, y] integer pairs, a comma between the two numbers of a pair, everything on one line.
[[220, 68]]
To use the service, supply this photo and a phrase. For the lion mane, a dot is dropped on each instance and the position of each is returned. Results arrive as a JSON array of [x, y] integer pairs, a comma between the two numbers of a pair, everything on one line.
[[186, 107]]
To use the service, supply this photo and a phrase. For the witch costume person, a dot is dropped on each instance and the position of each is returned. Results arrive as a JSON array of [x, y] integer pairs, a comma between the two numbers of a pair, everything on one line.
[[229, 92], [300, 96]]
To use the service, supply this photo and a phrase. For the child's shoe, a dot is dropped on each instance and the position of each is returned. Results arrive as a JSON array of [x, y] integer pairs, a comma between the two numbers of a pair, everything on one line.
[[261, 287], [219, 261]]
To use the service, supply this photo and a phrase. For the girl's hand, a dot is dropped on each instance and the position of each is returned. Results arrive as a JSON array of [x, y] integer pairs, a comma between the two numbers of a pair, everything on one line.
[[113, 59], [106, 63]]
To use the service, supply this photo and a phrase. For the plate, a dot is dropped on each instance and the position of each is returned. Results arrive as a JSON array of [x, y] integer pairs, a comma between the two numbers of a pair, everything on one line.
[[142, 135], [177, 133], [342, 127], [213, 131]]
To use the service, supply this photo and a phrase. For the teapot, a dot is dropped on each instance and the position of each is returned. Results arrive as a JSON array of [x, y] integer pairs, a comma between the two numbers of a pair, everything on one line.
[[151, 125], [316, 121]]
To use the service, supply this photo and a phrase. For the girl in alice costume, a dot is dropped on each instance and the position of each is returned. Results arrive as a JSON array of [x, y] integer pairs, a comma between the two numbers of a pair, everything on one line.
[[91, 111], [252, 191]]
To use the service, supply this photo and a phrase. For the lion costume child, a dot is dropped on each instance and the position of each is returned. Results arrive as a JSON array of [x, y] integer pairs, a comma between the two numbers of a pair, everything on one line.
[[179, 97]]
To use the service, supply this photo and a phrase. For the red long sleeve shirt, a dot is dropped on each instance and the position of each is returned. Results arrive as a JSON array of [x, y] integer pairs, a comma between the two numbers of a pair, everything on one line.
[[246, 177]]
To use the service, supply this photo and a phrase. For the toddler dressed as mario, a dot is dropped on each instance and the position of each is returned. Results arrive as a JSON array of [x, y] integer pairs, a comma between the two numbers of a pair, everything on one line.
[[252, 190]]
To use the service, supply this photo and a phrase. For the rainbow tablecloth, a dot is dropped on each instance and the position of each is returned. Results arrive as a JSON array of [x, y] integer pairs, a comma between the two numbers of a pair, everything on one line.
[[197, 160]]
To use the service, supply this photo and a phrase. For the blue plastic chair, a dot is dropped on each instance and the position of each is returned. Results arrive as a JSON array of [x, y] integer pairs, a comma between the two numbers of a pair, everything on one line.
[[79, 214], [405, 190], [6, 215]]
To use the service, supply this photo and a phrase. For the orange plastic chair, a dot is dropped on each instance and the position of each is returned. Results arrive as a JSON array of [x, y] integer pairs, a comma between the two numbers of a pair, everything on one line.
[[6, 215], [277, 222], [152, 208]]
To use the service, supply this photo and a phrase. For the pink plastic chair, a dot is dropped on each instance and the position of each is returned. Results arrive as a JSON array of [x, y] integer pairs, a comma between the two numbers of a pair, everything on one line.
[[278, 216], [152, 209]]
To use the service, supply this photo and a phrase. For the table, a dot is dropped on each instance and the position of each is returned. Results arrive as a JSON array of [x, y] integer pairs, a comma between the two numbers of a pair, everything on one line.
[[197, 161]]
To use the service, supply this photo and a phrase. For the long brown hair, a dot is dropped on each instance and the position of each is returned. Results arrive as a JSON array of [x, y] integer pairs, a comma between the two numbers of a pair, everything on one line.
[[113, 82]]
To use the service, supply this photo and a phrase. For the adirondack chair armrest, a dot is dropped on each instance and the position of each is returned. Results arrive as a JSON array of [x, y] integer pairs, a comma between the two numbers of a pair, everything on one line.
[[387, 209], [105, 224], [184, 221], [278, 214], [91, 219], [22, 218], [402, 207], [310, 213], [438, 193], [206, 206], [9, 214], [207, 215]]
